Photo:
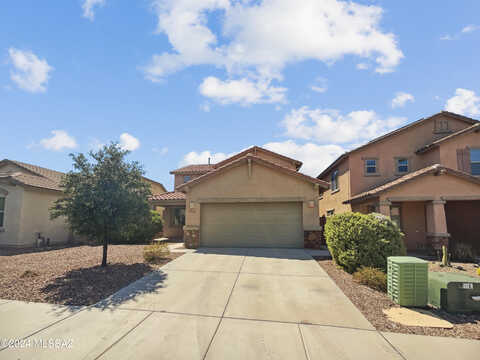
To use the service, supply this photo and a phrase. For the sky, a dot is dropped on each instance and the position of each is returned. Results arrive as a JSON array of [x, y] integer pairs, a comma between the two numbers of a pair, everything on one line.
[[180, 81]]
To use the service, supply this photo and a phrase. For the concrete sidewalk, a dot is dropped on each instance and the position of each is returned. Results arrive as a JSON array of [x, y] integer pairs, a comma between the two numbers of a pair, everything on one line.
[[218, 304]]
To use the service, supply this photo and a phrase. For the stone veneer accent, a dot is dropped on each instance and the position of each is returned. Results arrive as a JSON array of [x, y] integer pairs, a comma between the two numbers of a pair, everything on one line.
[[191, 237], [313, 239]]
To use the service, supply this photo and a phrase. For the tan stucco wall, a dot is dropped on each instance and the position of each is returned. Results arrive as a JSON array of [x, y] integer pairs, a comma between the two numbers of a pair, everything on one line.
[[169, 229], [35, 217], [179, 179], [448, 148], [334, 201], [402, 145], [414, 224], [264, 184], [13, 208], [275, 159], [433, 186], [155, 187]]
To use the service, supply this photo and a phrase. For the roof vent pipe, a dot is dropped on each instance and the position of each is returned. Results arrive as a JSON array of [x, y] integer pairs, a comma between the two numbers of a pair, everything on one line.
[[208, 161]]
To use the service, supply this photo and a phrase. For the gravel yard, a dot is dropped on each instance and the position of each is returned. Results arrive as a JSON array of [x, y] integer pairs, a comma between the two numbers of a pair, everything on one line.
[[71, 275], [371, 303]]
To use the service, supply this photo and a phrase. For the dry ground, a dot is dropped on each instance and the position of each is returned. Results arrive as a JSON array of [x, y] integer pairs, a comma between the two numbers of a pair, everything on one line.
[[71, 275], [371, 303]]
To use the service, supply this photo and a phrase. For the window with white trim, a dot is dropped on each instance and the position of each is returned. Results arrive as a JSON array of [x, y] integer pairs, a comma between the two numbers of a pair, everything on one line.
[[371, 167], [2, 211], [402, 166], [475, 161]]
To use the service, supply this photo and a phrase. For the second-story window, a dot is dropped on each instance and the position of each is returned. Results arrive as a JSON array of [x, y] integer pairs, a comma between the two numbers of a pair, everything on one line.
[[186, 178], [402, 166], [334, 180], [475, 161], [371, 167]]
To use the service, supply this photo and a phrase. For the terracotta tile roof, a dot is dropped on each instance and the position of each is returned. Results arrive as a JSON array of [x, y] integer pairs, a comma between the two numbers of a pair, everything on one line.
[[253, 150], [395, 132], [432, 145], [193, 169], [257, 159], [432, 169], [40, 177], [173, 195]]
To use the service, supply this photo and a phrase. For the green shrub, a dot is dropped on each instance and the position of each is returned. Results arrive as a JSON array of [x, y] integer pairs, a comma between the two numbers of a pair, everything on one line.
[[371, 277], [355, 240], [463, 252], [154, 253], [141, 232]]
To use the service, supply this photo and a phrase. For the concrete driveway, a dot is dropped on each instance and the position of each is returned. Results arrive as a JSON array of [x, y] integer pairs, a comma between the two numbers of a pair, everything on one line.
[[218, 304]]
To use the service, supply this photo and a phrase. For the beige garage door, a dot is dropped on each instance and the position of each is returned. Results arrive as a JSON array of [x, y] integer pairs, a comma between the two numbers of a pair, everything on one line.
[[252, 225]]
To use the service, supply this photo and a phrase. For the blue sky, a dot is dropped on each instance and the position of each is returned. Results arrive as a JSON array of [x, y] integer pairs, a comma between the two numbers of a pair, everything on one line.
[[179, 81]]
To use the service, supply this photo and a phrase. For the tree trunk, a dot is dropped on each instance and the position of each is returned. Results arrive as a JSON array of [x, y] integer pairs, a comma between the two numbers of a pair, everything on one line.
[[105, 246]]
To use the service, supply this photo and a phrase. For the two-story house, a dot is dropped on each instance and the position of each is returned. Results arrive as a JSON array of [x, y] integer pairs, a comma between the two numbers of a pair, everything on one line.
[[256, 198], [425, 176]]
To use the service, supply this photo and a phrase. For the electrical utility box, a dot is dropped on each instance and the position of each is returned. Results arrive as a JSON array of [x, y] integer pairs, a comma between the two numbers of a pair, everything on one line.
[[454, 292], [407, 280]]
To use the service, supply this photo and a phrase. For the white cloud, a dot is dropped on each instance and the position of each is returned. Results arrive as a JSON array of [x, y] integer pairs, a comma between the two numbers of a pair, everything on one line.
[[464, 102], [320, 86], [205, 107], [202, 157], [447, 37], [129, 142], [243, 91], [465, 30], [470, 28], [31, 73], [59, 140], [362, 66], [162, 151], [315, 157], [401, 98], [88, 8], [258, 39], [328, 126]]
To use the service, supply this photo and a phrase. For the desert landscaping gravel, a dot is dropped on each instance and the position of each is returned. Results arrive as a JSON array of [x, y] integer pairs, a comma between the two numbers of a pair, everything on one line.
[[371, 303], [71, 275]]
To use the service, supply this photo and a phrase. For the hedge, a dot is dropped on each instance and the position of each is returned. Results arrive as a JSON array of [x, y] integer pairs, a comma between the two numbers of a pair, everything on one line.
[[356, 240]]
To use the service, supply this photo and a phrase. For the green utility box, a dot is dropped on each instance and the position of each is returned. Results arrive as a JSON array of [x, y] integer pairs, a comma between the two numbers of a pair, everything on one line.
[[454, 292], [407, 280]]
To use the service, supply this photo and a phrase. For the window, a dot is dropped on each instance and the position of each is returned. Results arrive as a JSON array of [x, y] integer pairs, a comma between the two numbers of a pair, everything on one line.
[[371, 209], [441, 126], [178, 217], [334, 180], [2, 211], [395, 215], [186, 178], [475, 161], [330, 212], [402, 166], [371, 167]]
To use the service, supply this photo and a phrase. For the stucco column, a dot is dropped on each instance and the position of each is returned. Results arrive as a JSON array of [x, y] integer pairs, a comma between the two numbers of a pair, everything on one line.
[[384, 207], [437, 223]]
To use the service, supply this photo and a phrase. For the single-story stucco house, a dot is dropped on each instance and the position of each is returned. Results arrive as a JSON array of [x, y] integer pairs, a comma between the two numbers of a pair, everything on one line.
[[26, 194], [256, 198]]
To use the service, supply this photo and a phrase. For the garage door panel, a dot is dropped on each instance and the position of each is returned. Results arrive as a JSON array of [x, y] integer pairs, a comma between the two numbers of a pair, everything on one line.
[[252, 225]]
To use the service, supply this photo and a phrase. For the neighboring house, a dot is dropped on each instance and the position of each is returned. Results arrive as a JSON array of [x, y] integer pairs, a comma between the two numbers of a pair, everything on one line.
[[425, 176], [256, 198], [26, 194]]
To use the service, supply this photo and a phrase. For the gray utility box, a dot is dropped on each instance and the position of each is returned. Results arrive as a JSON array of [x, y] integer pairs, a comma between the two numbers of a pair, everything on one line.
[[454, 292]]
